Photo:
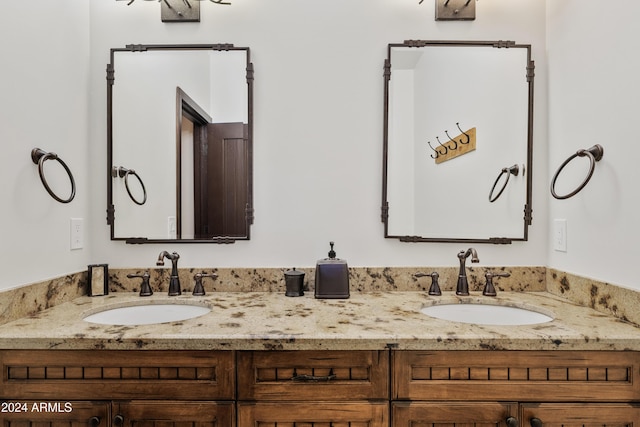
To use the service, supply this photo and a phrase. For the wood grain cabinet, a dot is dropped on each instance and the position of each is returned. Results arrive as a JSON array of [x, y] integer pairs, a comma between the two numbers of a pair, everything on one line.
[[124, 388], [313, 388], [516, 389], [390, 388], [54, 413]]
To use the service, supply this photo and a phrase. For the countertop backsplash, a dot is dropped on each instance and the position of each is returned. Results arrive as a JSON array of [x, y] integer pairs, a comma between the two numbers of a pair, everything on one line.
[[606, 298]]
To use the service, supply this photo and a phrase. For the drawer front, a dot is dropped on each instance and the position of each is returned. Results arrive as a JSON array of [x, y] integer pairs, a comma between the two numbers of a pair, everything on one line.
[[560, 376], [173, 414], [53, 413], [318, 414], [194, 375], [592, 414], [447, 414], [313, 375]]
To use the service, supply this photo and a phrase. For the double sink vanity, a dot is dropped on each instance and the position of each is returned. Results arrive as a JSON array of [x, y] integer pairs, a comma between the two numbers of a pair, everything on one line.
[[550, 349], [244, 354]]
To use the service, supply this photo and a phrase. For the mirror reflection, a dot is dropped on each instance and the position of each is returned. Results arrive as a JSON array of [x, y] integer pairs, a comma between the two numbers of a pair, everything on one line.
[[458, 141], [180, 143]]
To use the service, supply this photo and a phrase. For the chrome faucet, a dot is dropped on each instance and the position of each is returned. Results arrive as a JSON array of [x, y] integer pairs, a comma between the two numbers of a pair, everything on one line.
[[174, 281], [463, 286]]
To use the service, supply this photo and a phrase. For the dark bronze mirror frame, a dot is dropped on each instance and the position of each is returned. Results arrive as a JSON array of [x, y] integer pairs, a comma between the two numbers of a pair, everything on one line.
[[530, 67], [248, 210]]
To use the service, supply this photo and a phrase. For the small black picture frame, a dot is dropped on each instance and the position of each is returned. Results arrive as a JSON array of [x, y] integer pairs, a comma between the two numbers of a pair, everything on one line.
[[98, 279]]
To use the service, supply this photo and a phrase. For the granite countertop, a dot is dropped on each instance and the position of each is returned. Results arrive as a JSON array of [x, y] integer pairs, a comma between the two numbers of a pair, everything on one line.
[[366, 321]]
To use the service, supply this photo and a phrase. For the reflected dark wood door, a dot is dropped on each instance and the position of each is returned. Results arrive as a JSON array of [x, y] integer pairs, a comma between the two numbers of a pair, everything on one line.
[[221, 184]]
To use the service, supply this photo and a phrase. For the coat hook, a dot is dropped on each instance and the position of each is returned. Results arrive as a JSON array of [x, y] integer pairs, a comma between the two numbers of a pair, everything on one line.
[[446, 149], [437, 152], [465, 134], [455, 143]]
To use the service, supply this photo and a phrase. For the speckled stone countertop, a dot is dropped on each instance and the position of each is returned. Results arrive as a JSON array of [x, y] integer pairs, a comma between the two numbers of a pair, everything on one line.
[[366, 321]]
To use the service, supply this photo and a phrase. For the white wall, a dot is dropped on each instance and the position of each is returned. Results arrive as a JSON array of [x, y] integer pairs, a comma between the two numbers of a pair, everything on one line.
[[318, 106], [594, 97], [318, 123], [44, 98]]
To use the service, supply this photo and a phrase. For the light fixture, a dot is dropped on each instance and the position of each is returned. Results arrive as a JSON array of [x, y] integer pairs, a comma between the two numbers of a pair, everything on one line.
[[455, 10], [180, 10]]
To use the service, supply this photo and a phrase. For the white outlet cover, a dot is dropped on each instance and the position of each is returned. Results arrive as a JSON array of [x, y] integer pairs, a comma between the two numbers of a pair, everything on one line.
[[560, 235], [76, 233]]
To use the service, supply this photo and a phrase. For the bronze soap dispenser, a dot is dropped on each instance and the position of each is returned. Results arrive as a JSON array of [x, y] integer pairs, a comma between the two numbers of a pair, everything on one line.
[[332, 277]]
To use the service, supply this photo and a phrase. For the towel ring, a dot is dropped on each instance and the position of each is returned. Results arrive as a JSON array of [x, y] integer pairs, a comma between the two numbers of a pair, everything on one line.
[[39, 157], [513, 170], [119, 171], [594, 153]]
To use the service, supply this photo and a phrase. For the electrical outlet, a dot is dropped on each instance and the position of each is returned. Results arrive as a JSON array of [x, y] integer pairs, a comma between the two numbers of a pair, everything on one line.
[[77, 233], [560, 235]]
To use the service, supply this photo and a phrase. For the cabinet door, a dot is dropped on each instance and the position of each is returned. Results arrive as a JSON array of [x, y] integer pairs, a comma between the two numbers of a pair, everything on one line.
[[580, 415], [172, 414], [447, 414], [310, 414], [54, 413]]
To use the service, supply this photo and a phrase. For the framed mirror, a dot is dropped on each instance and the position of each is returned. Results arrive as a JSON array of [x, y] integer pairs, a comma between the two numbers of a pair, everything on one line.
[[180, 144], [458, 141]]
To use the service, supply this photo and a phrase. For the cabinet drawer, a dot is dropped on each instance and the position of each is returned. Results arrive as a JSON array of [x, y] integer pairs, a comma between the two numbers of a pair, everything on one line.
[[405, 414], [54, 413], [559, 414], [195, 375], [173, 414], [313, 375], [559, 376], [318, 414]]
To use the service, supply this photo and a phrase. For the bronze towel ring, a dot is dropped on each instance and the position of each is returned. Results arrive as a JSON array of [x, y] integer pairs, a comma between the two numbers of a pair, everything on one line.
[[124, 173], [594, 153], [38, 157], [513, 170]]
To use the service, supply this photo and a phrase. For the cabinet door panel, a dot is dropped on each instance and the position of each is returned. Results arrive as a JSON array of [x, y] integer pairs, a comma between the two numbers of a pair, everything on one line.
[[313, 375], [317, 414], [582, 415], [54, 414], [173, 414], [115, 374], [446, 414], [561, 376]]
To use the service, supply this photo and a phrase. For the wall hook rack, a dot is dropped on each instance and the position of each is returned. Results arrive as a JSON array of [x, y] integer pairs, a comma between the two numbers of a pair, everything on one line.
[[457, 146], [38, 157]]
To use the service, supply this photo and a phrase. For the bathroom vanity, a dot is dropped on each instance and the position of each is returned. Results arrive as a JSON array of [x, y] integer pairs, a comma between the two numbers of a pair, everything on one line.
[[362, 388], [261, 359]]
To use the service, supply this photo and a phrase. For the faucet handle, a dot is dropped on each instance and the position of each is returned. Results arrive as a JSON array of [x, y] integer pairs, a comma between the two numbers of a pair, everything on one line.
[[489, 289], [434, 289], [145, 288], [198, 289]]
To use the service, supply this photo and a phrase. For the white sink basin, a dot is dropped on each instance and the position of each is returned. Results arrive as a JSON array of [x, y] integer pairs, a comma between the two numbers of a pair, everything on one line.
[[486, 314], [147, 314]]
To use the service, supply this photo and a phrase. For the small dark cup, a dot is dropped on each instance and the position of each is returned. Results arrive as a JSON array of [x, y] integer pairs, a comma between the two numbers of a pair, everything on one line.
[[294, 281]]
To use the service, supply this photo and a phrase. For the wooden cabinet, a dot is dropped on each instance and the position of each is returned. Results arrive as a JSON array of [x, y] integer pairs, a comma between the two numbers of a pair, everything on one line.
[[126, 388], [447, 414], [173, 414], [516, 388], [113, 374], [119, 414], [54, 413], [319, 388], [580, 415]]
